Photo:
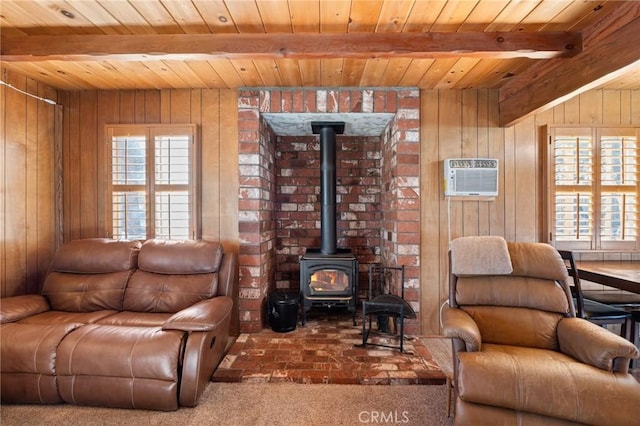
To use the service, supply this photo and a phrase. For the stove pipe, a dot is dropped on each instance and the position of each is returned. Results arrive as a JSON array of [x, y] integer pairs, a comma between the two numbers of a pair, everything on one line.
[[327, 131]]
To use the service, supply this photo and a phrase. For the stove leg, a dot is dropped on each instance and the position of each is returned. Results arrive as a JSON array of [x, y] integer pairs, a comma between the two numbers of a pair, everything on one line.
[[305, 309]]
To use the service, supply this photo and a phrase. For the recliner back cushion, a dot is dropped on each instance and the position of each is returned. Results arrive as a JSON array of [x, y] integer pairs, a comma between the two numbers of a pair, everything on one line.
[[91, 274], [520, 308], [480, 255], [513, 310], [516, 326], [538, 260], [173, 275], [506, 290]]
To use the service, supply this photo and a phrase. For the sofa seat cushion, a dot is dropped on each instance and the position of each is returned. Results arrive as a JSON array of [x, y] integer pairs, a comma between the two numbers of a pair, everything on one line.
[[537, 381], [137, 319], [126, 367], [60, 317], [28, 354]]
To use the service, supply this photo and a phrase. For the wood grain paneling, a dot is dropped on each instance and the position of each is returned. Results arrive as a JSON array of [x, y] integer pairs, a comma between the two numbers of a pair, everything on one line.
[[28, 202], [463, 123], [453, 123], [213, 111]]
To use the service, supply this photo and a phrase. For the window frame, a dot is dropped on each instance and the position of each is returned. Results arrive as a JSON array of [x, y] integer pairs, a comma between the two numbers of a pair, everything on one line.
[[596, 243], [150, 132]]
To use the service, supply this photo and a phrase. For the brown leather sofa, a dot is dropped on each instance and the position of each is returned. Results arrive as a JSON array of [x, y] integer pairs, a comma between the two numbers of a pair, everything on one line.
[[120, 324], [520, 354]]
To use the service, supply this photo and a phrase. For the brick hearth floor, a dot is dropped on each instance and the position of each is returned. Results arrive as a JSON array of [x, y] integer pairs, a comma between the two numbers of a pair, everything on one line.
[[325, 351]]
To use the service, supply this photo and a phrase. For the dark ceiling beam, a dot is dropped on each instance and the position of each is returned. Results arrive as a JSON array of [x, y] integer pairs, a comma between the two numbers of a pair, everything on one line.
[[611, 48], [497, 45]]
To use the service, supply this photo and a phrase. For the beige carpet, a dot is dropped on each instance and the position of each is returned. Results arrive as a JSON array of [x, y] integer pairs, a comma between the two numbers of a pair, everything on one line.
[[272, 404]]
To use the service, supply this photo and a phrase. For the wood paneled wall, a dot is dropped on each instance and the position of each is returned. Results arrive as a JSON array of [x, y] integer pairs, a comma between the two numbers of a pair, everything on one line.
[[28, 232], [87, 113], [453, 123], [463, 123], [28, 201]]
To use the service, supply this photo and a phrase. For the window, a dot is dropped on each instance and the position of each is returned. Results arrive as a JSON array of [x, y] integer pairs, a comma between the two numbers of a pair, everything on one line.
[[593, 202], [152, 182]]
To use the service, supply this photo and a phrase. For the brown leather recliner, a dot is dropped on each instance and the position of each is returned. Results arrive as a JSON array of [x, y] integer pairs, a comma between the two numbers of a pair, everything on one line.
[[120, 324], [520, 354]]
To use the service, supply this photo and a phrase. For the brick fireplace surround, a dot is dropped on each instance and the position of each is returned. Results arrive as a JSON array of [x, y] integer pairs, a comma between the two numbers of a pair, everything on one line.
[[378, 203]]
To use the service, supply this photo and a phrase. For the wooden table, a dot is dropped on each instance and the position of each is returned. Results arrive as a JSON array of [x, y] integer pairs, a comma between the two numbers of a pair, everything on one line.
[[624, 275]]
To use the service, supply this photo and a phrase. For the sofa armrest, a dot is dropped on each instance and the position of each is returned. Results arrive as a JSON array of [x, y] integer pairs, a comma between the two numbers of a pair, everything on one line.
[[458, 324], [207, 326], [15, 308], [594, 345], [228, 275], [228, 279], [205, 315]]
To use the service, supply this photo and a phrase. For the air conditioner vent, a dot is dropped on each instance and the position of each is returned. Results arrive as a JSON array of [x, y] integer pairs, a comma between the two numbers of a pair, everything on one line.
[[471, 177]]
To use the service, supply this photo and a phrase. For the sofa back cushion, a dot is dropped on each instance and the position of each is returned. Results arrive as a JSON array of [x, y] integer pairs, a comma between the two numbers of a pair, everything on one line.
[[173, 275], [173, 257], [90, 274]]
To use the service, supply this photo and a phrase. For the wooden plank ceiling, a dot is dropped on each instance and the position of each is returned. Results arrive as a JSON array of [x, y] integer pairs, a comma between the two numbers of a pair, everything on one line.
[[518, 47]]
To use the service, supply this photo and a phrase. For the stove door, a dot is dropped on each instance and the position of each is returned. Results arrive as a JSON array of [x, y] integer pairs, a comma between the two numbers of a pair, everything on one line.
[[329, 281]]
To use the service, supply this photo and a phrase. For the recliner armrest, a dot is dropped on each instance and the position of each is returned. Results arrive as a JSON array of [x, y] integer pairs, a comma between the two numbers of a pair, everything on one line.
[[457, 323], [205, 315], [594, 345], [15, 308]]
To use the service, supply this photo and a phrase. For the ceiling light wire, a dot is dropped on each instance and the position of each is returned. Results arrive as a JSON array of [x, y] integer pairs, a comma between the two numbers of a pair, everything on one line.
[[49, 101]]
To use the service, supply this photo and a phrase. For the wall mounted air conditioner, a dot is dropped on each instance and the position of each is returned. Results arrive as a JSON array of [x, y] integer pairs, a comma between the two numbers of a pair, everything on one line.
[[471, 177]]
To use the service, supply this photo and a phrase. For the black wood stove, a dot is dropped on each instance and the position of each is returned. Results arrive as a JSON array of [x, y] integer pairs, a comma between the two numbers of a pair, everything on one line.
[[328, 275]]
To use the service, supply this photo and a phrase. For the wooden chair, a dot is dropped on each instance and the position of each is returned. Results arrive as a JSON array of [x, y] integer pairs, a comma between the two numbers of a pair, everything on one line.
[[591, 310], [624, 300]]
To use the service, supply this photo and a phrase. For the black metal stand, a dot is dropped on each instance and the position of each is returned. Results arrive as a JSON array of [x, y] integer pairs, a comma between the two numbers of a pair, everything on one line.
[[383, 303]]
